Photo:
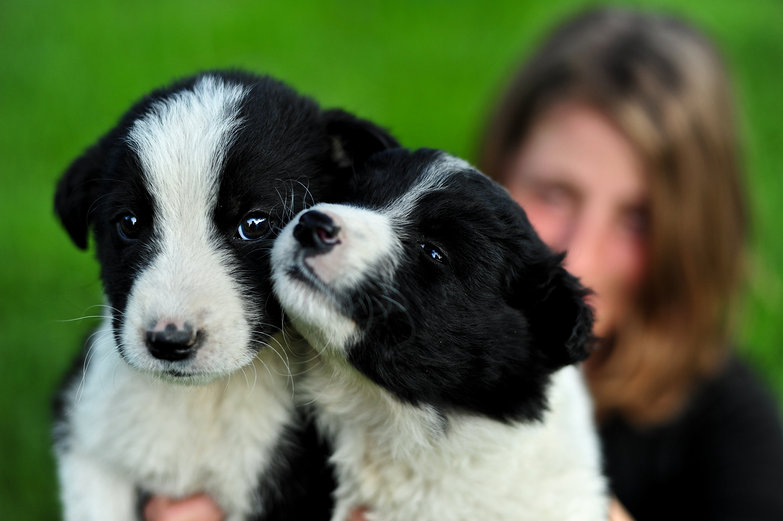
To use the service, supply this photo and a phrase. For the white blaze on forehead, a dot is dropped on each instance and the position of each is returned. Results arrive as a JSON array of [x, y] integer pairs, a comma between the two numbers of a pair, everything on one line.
[[433, 178], [182, 144]]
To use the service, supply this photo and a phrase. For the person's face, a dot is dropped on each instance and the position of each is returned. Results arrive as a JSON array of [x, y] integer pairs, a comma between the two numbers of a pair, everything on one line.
[[584, 189]]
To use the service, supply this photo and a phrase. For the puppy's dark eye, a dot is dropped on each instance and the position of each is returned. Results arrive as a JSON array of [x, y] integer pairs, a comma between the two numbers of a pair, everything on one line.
[[433, 252], [128, 227], [254, 226]]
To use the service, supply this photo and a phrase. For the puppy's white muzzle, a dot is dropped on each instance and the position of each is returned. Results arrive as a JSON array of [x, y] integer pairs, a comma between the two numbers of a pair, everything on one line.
[[321, 259]]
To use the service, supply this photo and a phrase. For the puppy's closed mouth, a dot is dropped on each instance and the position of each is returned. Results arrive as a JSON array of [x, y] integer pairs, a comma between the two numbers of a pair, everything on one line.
[[176, 373], [184, 377], [302, 273]]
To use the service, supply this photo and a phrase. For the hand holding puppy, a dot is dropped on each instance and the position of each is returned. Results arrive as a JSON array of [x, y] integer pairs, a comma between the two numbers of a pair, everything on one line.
[[194, 508]]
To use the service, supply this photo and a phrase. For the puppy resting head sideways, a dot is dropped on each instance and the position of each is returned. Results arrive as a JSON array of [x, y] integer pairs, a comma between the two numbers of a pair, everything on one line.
[[434, 286]]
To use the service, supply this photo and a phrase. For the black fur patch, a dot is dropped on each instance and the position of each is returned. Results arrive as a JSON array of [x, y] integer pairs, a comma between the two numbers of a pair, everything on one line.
[[482, 327]]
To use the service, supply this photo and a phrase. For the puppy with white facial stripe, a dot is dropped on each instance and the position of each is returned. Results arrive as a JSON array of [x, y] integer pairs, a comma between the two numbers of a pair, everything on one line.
[[184, 387], [445, 331]]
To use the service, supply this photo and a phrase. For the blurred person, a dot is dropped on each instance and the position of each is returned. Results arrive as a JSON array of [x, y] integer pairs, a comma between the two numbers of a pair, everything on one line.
[[618, 139]]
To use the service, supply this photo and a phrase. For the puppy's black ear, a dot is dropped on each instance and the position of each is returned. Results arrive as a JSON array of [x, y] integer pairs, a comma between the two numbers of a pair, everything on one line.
[[76, 193], [553, 301], [354, 139]]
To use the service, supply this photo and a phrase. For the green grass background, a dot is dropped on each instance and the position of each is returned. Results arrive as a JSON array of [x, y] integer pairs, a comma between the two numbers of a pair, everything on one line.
[[427, 70]]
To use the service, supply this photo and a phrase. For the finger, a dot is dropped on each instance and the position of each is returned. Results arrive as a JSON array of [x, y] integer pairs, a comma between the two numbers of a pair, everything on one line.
[[194, 508], [617, 512], [358, 515], [155, 508]]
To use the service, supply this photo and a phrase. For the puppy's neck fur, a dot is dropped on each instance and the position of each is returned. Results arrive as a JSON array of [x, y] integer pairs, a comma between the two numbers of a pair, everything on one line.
[[406, 461], [177, 439]]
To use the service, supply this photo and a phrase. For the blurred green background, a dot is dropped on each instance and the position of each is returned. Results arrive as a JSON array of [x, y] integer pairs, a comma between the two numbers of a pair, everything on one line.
[[427, 70]]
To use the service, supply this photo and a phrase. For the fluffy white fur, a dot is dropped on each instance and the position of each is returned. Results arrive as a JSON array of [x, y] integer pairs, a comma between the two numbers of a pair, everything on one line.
[[131, 425], [407, 462], [128, 427]]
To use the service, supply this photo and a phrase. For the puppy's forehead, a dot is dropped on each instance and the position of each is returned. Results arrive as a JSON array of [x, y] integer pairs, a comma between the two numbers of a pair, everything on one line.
[[441, 172], [182, 140]]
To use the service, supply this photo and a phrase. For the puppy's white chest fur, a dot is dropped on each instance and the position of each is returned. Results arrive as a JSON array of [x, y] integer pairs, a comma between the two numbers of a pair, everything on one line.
[[133, 428], [405, 462]]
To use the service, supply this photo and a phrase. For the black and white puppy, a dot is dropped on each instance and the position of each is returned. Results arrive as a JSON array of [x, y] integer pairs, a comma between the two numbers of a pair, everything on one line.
[[184, 388], [445, 330]]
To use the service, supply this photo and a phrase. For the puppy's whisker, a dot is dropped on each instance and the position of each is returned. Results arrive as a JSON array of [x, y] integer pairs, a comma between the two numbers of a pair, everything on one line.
[[282, 204], [284, 360], [266, 367], [247, 382], [79, 319], [307, 194], [91, 351], [283, 349], [108, 310], [255, 375]]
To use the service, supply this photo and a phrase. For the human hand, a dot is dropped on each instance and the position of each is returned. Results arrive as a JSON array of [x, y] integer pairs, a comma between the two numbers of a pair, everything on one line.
[[199, 507], [617, 512], [357, 515]]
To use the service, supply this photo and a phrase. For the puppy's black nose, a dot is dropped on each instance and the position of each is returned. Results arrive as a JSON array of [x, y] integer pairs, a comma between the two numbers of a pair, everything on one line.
[[317, 231], [172, 341]]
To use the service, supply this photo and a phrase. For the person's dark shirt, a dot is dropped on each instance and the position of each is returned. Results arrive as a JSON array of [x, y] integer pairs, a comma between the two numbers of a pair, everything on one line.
[[720, 459]]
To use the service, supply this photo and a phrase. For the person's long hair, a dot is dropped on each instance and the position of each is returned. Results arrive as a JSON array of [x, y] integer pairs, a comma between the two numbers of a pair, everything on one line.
[[664, 86]]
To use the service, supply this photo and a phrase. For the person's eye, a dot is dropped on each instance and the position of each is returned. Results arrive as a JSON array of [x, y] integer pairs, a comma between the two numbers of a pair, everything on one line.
[[554, 195], [432, 252], [254, 226], [636, 222]]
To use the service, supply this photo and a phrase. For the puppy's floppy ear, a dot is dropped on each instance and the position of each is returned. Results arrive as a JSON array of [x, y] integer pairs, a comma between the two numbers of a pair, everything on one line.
[[354, 139], [76, 192], [560, 322]]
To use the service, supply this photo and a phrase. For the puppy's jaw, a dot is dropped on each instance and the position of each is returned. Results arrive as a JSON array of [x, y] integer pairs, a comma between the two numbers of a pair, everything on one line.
[[315, 290], [181, 144]]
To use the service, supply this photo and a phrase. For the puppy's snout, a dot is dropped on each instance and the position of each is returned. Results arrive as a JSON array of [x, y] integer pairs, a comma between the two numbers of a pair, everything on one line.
[[172, 341], [317, 231]]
